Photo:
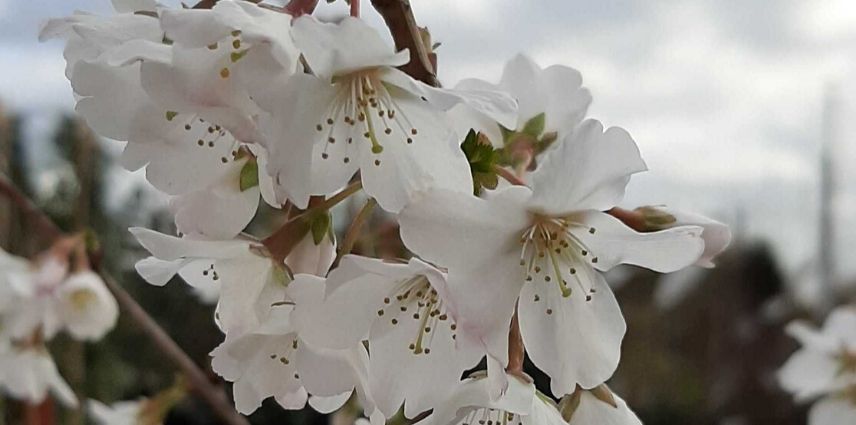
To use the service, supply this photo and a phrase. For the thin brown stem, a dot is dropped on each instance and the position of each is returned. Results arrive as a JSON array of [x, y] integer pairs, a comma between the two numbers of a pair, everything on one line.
[[516, 350], [398, 16], [355, 8], [45, 227], [354, 230], [508, 175]]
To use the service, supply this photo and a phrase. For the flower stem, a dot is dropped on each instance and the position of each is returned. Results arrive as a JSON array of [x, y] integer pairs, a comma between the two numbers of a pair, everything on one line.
[[516, 349], [508, 175], [355, 8], [354, 230]]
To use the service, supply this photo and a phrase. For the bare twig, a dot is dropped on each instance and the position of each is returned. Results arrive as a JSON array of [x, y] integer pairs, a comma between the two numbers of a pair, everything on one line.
[[210, 393], [45, 227], [355, 8], [402, 24]]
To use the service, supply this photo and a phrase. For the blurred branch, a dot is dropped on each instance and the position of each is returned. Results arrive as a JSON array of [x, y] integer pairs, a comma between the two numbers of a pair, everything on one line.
[[44, 225], [402, 25], [198, 380]]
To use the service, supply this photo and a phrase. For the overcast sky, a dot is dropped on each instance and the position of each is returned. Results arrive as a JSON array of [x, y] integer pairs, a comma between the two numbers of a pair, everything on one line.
[[724, 97]]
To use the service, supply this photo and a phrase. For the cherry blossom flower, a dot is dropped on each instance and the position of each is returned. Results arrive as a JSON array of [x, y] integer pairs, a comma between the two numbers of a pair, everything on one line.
[[470, 404], [29, 373], [221, 58], [249, 280], [360, 113], [46, 299], [552, 97], [87, 308], [405, 313], [544, 247], [275, 361], [826, 363]]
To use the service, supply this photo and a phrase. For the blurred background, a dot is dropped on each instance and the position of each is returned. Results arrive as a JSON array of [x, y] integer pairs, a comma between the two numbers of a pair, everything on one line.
[[742, 110]]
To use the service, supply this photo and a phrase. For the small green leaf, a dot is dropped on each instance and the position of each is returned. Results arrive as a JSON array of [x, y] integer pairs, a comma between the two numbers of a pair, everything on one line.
[[482, 158], [535, 126], [321, 226], [249, 175]]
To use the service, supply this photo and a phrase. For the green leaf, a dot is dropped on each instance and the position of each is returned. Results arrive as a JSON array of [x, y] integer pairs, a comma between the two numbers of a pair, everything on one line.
[[535, 126], [321, 226], [482, 158], [249, 175]]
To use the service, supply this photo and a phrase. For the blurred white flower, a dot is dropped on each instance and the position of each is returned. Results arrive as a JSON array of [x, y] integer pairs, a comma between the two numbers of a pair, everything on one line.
[[29, 373], [121, 413]]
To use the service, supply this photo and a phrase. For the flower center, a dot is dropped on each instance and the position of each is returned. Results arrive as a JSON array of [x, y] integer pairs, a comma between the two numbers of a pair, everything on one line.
[[363, 108], [416, 301], [550, 252], [283, 356], [81, 299], [207, 135]]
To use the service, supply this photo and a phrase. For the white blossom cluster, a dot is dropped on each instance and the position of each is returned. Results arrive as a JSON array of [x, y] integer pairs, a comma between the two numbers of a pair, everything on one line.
[[227, 105], [824, 368], [38, 300]]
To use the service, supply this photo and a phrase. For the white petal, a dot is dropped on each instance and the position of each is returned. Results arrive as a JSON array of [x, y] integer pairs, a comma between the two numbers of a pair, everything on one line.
[[593, 411], [219, 212], [809, 373], [326, 372], [459, 230], [434, 159], [588, 170], [291, 131], [485, 298], [328, 405], [840, 324], [356, 290], [520, 77], [572, 340], [832, 411], [131, 6], [491, 103], [615, 243], [306, 257], [567, 102], [716, 235], [350, 45], [166, 247], [294, 400], [87, 306], [472, 395]]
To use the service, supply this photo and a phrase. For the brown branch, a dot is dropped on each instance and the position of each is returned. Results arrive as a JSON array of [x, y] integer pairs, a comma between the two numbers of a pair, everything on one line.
[[211, 394], [44, 225], [402, 25], [214, 396]]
